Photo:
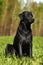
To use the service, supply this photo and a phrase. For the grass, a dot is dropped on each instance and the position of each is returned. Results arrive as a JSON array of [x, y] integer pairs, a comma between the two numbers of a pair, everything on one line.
[[13, 60]]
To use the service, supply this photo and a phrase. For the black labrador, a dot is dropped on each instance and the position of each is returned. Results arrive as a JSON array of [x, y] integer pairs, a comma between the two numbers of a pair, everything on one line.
[[22, 45]]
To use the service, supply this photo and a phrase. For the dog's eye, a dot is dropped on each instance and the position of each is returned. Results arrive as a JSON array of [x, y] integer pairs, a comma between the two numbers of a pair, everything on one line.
[[30, 16]]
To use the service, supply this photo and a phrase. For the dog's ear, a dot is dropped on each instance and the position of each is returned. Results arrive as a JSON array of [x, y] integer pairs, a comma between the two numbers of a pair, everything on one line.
[[21, 16]]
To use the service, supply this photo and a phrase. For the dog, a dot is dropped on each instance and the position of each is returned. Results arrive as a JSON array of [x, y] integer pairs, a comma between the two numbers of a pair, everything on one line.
[[22, 44], [23, 38], [9, 50]]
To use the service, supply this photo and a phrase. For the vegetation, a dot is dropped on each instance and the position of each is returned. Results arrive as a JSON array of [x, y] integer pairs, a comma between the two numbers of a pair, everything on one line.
[[9, 19], [13, 60], [37, 10]]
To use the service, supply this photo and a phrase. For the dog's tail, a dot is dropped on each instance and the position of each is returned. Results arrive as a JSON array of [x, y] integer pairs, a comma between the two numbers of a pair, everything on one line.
[[9, 49]]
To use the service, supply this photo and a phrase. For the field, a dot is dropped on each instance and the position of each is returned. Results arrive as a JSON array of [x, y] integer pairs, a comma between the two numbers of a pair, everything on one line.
[[13, 60]]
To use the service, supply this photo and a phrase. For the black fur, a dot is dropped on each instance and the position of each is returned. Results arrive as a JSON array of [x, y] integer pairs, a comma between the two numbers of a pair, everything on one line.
[[22, 45], [23, 39], [9, 49]]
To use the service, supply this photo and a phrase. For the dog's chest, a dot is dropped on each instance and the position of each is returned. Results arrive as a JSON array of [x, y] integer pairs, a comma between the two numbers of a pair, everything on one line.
[[24, 35], [23, 32]]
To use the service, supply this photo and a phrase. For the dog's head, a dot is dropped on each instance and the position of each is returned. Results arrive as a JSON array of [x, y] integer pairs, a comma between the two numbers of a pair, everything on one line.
[[27, 16]]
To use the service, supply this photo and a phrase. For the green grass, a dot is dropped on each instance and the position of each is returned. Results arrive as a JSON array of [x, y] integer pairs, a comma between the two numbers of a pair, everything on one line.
[[13, 60]]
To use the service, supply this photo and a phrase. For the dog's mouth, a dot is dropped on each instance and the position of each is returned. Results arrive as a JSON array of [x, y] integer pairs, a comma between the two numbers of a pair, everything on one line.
[[30, 21]]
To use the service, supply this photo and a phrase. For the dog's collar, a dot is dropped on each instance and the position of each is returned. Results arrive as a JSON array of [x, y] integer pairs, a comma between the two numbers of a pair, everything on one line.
[[24, 36], [21, 31]]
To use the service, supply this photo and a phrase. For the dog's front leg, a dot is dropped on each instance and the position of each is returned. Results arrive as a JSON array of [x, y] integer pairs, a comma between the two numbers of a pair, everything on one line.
[[30, 51], [20, 49]]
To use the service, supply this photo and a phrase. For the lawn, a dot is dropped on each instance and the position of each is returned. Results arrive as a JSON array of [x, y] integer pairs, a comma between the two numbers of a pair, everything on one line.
[[13, 60]]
